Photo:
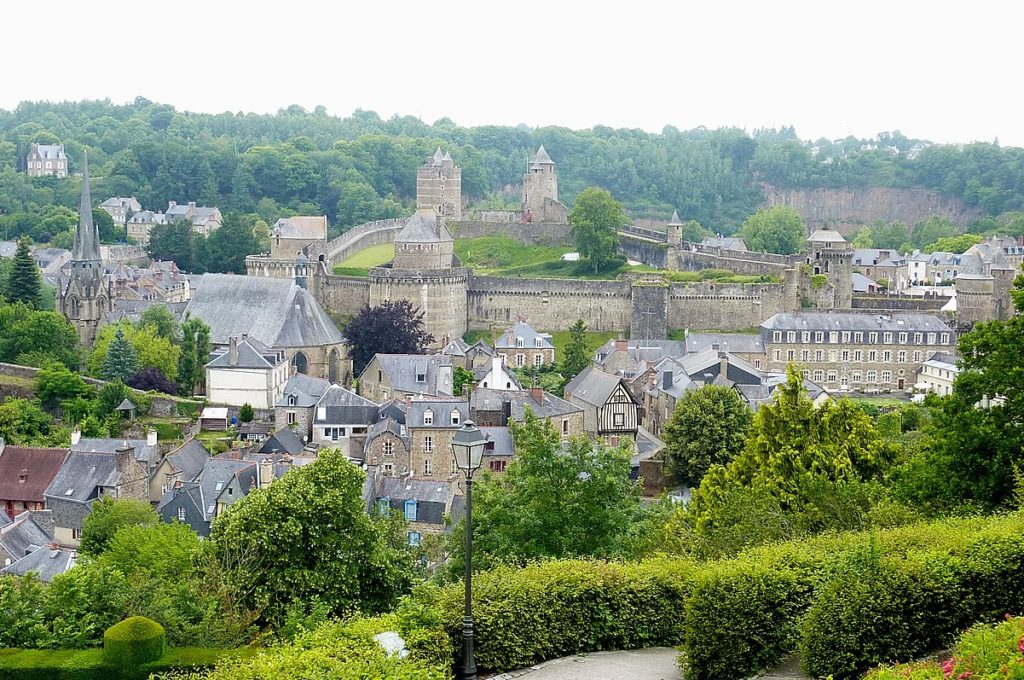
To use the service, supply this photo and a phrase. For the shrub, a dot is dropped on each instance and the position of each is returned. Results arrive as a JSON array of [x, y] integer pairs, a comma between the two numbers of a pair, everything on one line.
[[741, 617], [553, 609], [68, 664], [133, 642]]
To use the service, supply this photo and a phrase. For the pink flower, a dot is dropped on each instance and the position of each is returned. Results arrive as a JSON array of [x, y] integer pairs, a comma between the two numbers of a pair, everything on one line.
[[1020, 645], [947, 668]]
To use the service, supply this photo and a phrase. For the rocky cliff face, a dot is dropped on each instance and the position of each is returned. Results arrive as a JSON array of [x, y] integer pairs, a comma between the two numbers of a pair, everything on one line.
[[846, 210]]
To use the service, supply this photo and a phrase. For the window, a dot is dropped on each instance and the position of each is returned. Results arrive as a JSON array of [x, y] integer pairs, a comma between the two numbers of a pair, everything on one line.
[[858, 337], [428, 444], [538, 359], [565, 426], [619, 419], [778, 355], [856, 376], [846, 337], [389, 469], [805, 355], [873, 338], [887, 376], [520, 360], [833, 337], [872, 376], [456, 416], [410, 509], [858, 355], [846, 355], [945, 339], [757, 363], [76, 534], [388, 448], [181, 514], [497, 465], [790, 355], [872, 356], [819, 355], [807, 374], [831, 377], [414, 538], [887, 338], [537, 342], [832, 356], [901, 356], [917, 357], [428, 417], [333, 433], [791, 336], [291, 417], [291, 400], [903, 338], [918, 337], [383, 505], [777, 336], [819, 375], [421, 375], [428, 468], [819, 336], [931, 338], [805, 336], [887, 355]]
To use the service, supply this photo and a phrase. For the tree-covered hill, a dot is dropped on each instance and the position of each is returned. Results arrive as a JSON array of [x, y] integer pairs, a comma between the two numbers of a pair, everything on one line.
[[361, 167]]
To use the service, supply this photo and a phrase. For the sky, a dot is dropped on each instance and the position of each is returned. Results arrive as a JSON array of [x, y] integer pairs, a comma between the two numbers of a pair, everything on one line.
[[942, 71]]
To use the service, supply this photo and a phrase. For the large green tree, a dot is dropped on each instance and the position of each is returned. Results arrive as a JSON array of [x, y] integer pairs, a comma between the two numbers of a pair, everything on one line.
[[23, 423], [309, 540], [150, 350], [225, 248], [32, 338], [576, 355], [23, 282], [195, 352], [163, 322], [778, 229], [595, 220], [119, 360], [708, 427], [56, 383], [173, 241], [108, 516], [553, 500]]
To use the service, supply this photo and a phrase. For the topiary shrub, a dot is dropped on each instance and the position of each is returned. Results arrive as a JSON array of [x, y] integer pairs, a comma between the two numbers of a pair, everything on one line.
[[133, 642]]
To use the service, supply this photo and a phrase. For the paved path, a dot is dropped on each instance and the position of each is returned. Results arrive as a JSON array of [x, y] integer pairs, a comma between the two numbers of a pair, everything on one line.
[[655, 663]]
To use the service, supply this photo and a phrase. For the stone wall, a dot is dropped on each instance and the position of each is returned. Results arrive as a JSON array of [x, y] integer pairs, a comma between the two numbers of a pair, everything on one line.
[[846, 210], [649, 310], [342, 295], [730, 306], [439, 293], [645, 251], [361, 237], [693, 257], [529, 233], [551, 304], [899, 304]]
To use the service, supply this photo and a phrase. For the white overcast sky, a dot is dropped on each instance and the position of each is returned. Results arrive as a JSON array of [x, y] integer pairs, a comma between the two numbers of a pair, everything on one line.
[[944, 71]]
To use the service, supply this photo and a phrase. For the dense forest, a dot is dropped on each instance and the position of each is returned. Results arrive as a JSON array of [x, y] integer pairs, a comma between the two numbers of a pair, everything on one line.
[[361, 167]]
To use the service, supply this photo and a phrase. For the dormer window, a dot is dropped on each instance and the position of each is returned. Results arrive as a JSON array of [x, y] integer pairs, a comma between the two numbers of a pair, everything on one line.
[[538, 342], [421, 376], [428, 417], [456, 416], [519, 342], [291, 400], [410, 510], [321, 413]]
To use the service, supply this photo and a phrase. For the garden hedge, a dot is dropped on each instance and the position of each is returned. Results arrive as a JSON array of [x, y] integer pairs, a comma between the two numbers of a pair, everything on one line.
[[90, 664], [133, 642]]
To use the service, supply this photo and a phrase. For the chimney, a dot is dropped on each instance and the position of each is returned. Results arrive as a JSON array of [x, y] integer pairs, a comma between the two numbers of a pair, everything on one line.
[[233, 351], [76, 436], [650, 377], [266, 472], [151, 438], [125, 457], [23, 476], [621, 345], [666, 379], [723, 364], [538, 394], [178, 484]]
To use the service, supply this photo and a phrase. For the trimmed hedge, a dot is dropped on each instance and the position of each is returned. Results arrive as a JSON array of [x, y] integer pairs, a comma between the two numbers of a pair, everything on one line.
[[552, 609], [133, 642], [90, 664], [890, 608]]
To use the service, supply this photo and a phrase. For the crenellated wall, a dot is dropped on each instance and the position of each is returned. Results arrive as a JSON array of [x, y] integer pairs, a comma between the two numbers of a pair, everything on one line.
[[727, 306], [342, 295], [551, 304]]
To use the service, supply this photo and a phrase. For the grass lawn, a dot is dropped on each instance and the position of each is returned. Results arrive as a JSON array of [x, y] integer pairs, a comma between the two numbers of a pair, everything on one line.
[[560, 339], [499, 254], [874, 400], [360, 263]]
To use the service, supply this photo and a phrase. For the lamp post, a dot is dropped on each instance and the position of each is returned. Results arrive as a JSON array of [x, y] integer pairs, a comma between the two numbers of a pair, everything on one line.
[[468, 449]]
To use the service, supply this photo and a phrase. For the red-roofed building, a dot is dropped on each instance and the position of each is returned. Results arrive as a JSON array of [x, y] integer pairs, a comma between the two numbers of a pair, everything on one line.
[[24, 475]]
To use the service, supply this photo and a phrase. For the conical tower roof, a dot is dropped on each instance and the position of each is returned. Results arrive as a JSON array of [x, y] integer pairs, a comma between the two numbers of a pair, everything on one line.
[[674, 222], [542, 157], [87, 237], [438, 156], [446, 158]]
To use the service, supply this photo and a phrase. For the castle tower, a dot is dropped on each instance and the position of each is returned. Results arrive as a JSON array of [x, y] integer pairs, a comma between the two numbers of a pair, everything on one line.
[[540, 190], [675, 229], [975, 300], [439, 186], [832, 255], [86, 296]]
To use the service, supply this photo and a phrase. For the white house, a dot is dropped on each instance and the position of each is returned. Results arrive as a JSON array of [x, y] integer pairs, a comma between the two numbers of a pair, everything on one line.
[[938, 374], [498, 377], [247, 372]]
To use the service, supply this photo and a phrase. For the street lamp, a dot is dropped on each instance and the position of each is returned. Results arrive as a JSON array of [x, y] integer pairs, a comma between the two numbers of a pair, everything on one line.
[[468, 449]]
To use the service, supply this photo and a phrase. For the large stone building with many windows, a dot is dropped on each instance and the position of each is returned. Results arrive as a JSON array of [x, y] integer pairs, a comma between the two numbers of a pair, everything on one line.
[[850, 351]]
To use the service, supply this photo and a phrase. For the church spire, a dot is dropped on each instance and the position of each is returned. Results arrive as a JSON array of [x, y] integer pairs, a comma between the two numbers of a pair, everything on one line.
[[87, 237]]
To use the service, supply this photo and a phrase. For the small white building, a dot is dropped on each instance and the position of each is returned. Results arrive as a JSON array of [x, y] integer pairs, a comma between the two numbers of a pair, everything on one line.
[[247, 372], [498, 377], [938, 374]]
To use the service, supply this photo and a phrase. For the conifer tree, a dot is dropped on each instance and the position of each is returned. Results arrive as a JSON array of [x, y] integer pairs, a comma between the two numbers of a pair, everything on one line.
[[576, 358], [122, 361], [23, 283], [195, 352]]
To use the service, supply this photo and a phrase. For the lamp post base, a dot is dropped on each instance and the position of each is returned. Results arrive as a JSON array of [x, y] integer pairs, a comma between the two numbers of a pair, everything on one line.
[[469, 663]]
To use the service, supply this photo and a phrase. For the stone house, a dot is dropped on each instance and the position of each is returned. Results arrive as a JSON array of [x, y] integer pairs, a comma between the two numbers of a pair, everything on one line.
[[203, 219], [140, 223], [221, 483], [147, 452], [471, 357], [431, 424], [610, 411], [388, 447], [25, 473], [499, 449], [295, 406], [521, 346], [425, 505], [120, 208], [46, 159], [498, 408], [397, 376], [342, 419], [292, 236], [847, 351], [85, 478], [628, 357], [184, 464], [246, 372], [747, 346], [22, 534]]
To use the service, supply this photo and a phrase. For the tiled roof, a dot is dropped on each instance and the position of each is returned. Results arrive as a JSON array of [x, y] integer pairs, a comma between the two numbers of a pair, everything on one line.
[[39, 467], [305, 388], [284, 440], [344, 406], [189, 459], [402, 371], [832, 321], [46, 561]]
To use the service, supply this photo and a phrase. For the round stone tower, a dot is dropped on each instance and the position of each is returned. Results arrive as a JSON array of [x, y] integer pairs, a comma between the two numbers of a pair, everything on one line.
[[439, 186], [540, 188], [974, 299]]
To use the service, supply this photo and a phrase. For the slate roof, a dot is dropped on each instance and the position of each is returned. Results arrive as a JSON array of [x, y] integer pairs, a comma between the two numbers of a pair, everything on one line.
[[301, 227], [432, 498], [674, 222], [251, 354], [147, 217], [144, 453], [345, 407], [394, 409], [80, 474], [402, 369], [643, 350], [593, 386], [826, 236], [945, 358], [22, 536], [499, 441], [189, 459], [527, 333], [871, 257], [441, 409], [862, 284], [550, 406], [542, 157], [305, 388], [39, 466], [276, 312], [743, 343], [190, 496], [218, 473], [285, 440], [8, 248], [726, 242], [387, 425], [422, 228], [455, 348], [46, 561], [50, 151], [831, 321]]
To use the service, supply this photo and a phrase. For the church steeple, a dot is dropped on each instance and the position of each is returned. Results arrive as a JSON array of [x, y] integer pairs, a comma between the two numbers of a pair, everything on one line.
[[87, 237]]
